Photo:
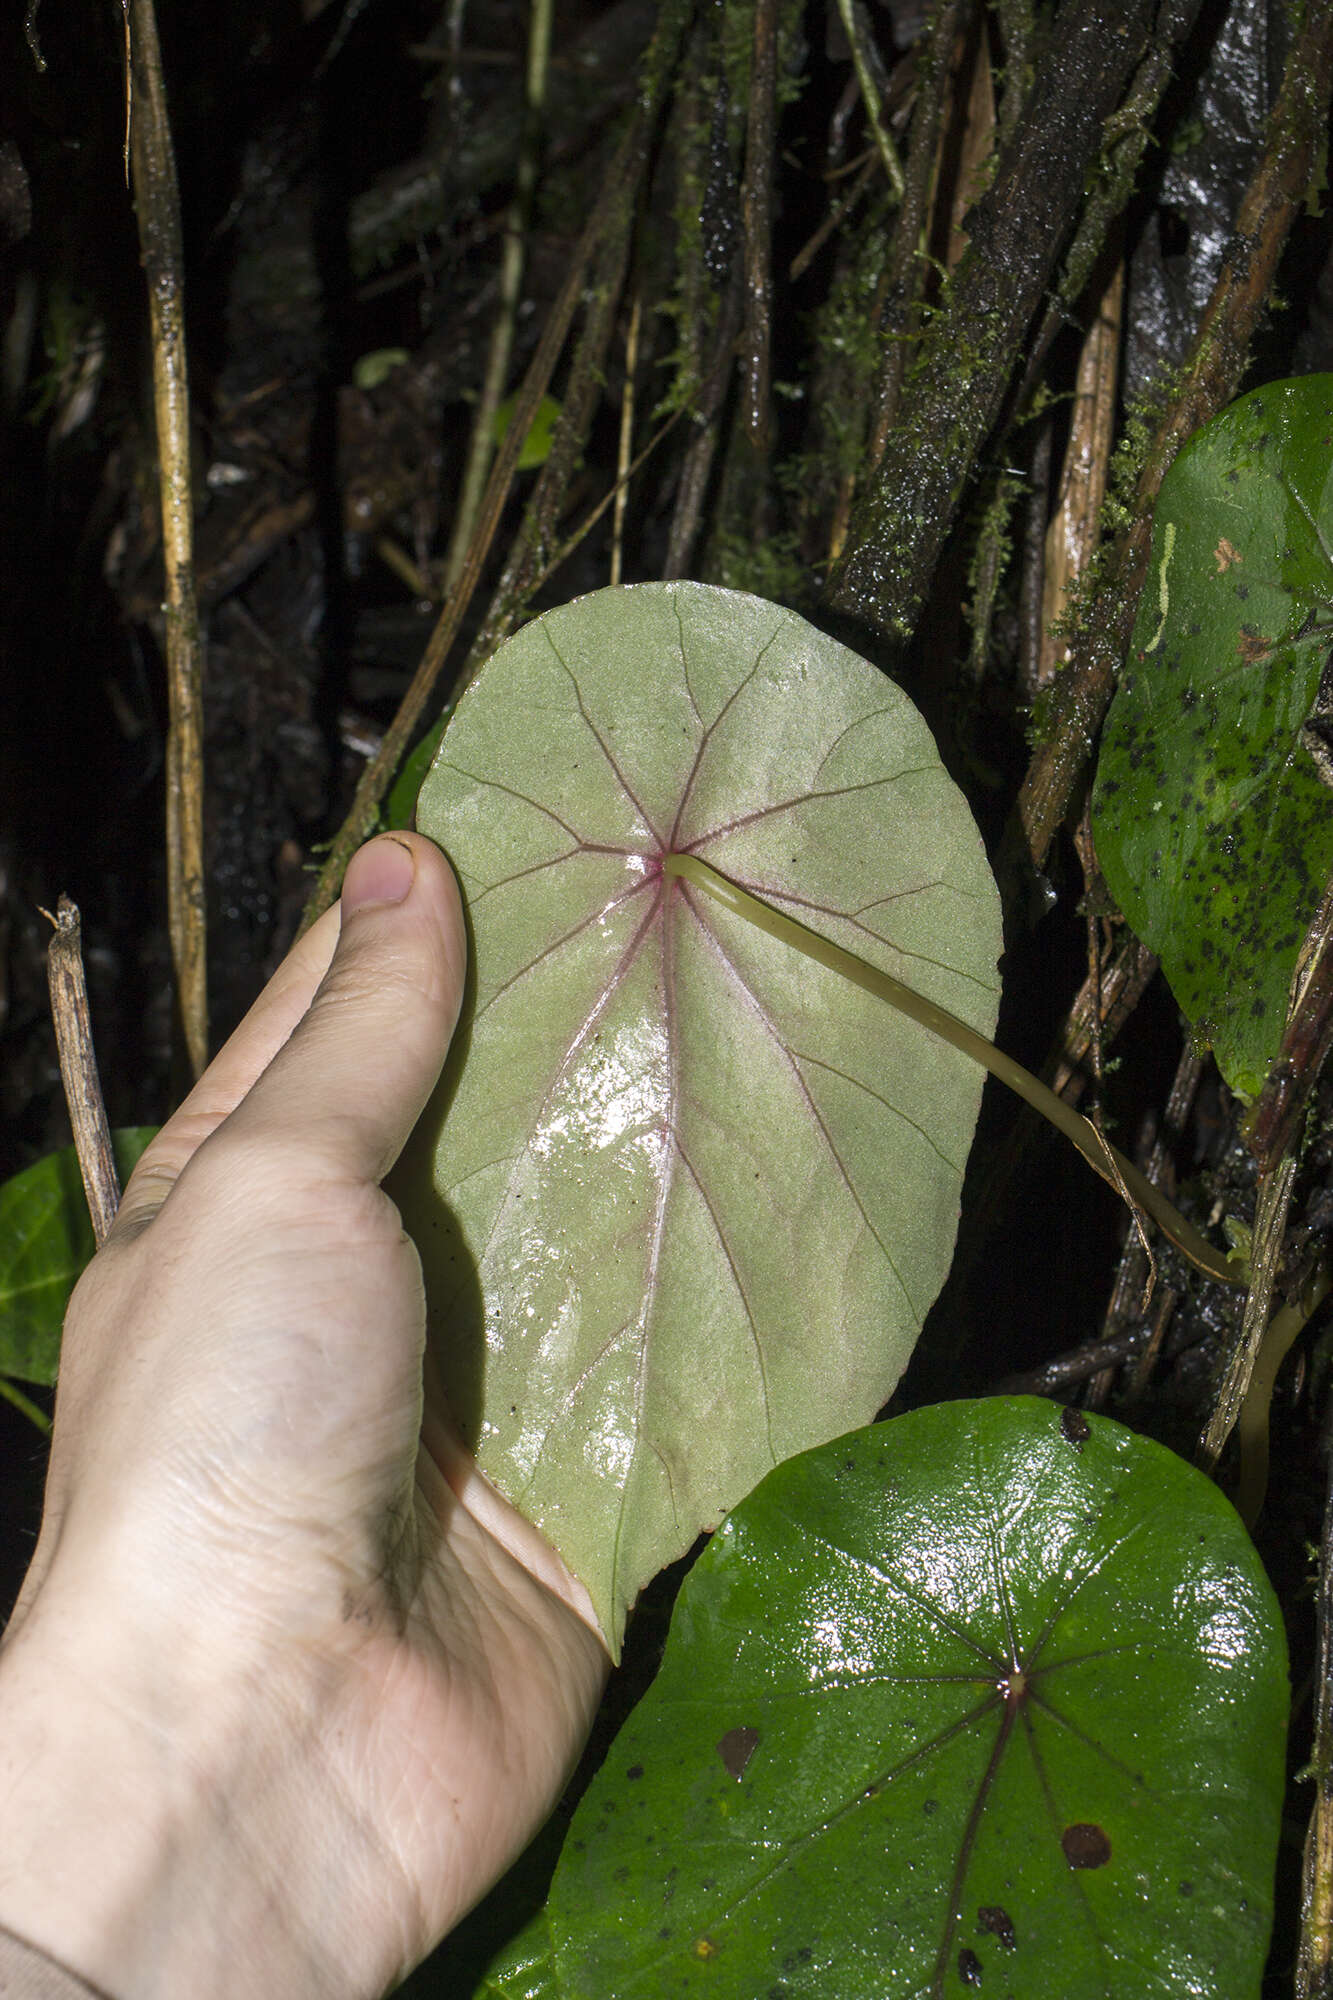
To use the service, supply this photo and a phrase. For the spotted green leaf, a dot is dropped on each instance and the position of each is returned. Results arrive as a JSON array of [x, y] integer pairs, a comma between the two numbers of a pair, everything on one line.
[[989, 1698], [1213, 825], [684, 1198]]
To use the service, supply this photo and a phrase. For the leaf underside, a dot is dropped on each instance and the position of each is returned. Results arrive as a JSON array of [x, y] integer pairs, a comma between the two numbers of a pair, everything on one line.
[[972, 1699], [694, 1195], [1213, 826]]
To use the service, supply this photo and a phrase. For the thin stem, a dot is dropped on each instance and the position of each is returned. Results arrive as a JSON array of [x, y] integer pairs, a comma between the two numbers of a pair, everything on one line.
[[13, 1394], [870, 96], [157, 208], [1101, 1156], [78, 1067], [1252, 1424], [626, 448]]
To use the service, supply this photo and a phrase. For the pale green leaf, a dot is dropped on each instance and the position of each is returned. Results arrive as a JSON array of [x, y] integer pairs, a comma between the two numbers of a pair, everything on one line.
[[694, 1194]]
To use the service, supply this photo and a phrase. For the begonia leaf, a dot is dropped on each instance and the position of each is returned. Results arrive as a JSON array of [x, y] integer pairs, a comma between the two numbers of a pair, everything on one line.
[[693, 1195], [991, 1697]]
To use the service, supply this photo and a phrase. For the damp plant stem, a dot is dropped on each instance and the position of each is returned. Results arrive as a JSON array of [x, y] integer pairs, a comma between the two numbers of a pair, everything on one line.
[[1102, 1157]]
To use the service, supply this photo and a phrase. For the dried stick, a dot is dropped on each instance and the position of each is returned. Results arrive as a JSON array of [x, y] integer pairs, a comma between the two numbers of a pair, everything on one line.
[[1271, 203], [1270, 1226], [78, 1067], [1075, 524], [973, 92], [624, 454], [1067, 1370], [157, 207]]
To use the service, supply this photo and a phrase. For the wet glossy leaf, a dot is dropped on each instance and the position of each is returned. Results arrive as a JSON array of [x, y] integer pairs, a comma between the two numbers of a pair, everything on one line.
[[695, 1194], [525, 1971], [1012, 1704], [46, 1239], [1213, 826]]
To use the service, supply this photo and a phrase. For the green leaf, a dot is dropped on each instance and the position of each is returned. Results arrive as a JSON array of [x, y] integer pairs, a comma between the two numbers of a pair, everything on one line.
[[525, 1971], [695, 1194], [537, 444], [46, 1239], [992, 1696], [370, 370], [401, 806], [1212, 825]]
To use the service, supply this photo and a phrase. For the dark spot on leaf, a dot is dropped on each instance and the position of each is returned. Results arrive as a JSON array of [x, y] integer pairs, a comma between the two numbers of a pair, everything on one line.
[[930, 1806], [969, 1967], [998, 1922], [634, 1771], [1085, 1846], [736, 1749], [1074, 1427], [1187, 1888]]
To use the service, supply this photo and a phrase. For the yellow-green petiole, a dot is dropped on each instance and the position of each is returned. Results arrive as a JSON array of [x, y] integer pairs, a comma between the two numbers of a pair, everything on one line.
[[1102, 1157]]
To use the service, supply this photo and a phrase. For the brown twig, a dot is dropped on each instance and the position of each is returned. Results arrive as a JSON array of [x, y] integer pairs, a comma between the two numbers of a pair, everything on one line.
[[1066, 1370], [1076, 523], [625, 446], [1271, 203], [78, 1067], [157, 207], [1270, 1226]]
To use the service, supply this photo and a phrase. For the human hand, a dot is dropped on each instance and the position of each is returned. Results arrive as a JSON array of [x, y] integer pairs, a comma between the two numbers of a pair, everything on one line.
[[287, 1685]]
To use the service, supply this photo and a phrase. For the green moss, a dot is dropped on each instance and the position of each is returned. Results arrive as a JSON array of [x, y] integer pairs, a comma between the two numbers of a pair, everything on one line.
[[771, 568]]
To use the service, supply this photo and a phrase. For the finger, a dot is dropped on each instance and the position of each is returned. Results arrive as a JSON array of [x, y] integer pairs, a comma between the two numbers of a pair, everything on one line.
[[234, 1069], [353, 1077]]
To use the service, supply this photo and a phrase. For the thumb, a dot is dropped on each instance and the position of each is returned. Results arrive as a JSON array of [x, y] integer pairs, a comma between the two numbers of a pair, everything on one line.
[[354, 1076]]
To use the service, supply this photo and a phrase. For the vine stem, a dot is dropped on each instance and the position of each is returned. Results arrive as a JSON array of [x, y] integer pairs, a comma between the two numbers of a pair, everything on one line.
[[1104, 1159]]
